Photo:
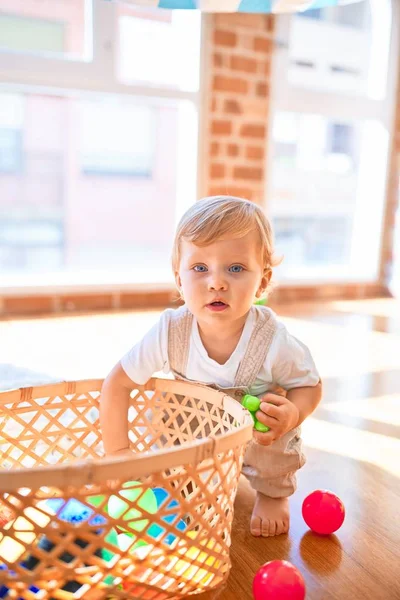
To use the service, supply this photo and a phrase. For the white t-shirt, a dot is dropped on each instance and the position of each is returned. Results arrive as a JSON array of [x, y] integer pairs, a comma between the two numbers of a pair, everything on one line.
[[288, 364]]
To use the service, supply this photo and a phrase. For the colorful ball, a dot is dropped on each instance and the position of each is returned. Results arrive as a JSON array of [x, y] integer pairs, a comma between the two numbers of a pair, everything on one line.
[[192, 556], [323, 512], [132, 490], [6, 515], [278, 580], [156, 530], [4, 589], [252, 403], [74, 511]]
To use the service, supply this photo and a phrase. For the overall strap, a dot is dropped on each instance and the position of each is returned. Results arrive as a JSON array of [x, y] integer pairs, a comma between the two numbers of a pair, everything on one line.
[[180, 327], [257, 348]]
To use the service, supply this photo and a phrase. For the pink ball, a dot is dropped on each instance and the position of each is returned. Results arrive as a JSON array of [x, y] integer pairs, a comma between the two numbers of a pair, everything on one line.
[[278, 580], [323, 512]]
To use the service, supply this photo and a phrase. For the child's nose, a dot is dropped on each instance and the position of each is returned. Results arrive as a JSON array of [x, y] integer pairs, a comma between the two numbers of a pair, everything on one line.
[[217, 282]]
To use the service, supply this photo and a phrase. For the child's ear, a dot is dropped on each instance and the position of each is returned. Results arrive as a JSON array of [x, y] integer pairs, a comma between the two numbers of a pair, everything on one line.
[[264, 282], [178, 281]]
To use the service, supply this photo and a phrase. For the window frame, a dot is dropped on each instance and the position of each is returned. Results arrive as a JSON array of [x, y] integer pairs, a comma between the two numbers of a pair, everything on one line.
[[37, 21], [99, 74], [338, 107], [62, 75]]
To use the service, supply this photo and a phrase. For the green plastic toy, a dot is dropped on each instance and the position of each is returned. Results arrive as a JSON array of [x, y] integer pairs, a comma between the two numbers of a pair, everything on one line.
[[252, 403]]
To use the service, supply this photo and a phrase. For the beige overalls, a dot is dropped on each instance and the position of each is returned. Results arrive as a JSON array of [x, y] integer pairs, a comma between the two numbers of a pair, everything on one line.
[[271, 470]]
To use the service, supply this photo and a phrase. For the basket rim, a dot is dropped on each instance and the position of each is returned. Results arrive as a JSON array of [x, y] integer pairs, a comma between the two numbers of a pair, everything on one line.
[[95, 471]]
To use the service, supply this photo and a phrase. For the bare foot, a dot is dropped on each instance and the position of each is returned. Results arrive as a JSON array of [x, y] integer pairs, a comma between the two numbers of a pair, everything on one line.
[[270, 516]]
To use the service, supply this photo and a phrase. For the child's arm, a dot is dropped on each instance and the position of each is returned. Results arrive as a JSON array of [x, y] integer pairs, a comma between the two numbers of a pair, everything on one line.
[[114, 404], [306, 400], [282, 414], [148, 356], [296, 388]]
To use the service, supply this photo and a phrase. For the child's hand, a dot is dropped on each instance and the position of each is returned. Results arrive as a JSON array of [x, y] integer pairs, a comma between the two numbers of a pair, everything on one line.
[[279, 414], [124, 453]]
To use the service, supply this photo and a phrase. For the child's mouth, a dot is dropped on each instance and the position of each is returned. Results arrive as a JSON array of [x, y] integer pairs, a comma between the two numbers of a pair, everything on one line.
[[217, 306]]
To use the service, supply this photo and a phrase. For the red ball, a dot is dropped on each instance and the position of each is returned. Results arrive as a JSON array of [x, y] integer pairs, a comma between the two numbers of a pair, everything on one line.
[[323, 512], [278, 580], [6, 515]]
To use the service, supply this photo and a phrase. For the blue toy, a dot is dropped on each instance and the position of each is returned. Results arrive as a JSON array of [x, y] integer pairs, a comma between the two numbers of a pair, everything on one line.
[[4, 590], [74, 511], [155, 530]]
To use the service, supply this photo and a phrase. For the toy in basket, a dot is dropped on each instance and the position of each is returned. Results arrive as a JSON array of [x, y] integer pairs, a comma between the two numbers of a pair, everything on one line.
[[154, 525]]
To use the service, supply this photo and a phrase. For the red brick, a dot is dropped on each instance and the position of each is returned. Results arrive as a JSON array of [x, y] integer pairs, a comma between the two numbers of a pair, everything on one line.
[[221, 127], [225, 38], [147, 299], [269, 23], [217, 171], [230, 84], [253, 130], [240, 63], [255, 153], [262, 44], [233, 150], [216, 190], [230, 20], [233, 107], [264, 67], [23, 305], [240, 192], [218, 60], [214, 149], [254, 173], [262, 89], [75, 302]]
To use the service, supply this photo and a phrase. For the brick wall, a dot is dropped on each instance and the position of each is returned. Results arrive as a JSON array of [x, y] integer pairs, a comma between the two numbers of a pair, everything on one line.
[[239, 51]]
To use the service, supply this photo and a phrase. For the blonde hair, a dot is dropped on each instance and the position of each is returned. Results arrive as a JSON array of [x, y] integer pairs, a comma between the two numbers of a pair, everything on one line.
[[218, 217]]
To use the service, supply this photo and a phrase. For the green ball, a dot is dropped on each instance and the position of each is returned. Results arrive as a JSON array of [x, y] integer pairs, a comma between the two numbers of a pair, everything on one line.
[[127, 540], [112, 539], [261, 427], [252, 403], [117, 507]]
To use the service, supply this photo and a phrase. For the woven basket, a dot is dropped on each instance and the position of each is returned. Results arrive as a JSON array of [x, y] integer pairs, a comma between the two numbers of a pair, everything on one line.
[[154, 526]]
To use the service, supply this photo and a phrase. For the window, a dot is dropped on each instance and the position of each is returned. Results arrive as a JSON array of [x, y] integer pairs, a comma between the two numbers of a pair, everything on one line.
[[31, 35], [353, 15], [57, 28], [11, 137], [313, 241], [340, 138], [329, 148], [117, 138], [98, 157], [158, 39], [30, 244], [10, 150], [341, 46]]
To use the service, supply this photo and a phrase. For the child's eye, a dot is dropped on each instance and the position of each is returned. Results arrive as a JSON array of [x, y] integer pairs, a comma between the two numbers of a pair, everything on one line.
[[200, 268], [236, 268]]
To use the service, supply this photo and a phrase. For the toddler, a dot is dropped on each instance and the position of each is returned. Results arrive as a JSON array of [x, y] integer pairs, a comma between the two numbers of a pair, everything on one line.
[[222, 261]]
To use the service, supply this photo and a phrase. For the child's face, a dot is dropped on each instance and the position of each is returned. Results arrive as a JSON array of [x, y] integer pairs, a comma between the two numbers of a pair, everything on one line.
[[229, 271]]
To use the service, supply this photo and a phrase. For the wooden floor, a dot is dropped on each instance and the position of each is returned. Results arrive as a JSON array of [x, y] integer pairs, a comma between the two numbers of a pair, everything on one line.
[[352, 441]]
